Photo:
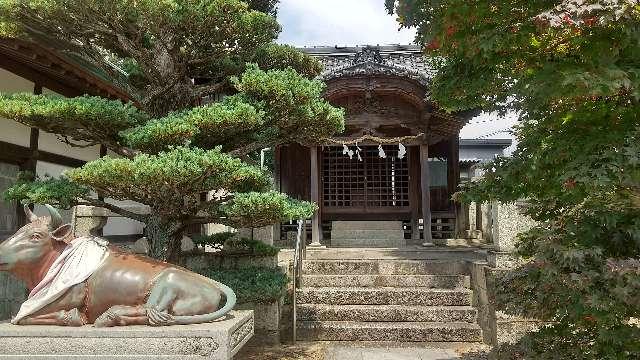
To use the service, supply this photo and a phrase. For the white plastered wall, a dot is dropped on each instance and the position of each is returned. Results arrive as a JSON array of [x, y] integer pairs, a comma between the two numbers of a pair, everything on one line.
[[122, 226], [18, 134], [11, 131]]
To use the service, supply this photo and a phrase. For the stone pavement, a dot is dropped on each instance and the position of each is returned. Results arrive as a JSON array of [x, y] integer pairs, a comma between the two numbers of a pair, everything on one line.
[[341, 352]]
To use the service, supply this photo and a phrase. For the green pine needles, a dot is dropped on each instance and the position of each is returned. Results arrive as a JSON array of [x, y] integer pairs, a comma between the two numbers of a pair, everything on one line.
[[169, 151]]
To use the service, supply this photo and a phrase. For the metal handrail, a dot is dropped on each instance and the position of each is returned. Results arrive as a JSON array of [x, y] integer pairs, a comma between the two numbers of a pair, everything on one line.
[[298, 255]]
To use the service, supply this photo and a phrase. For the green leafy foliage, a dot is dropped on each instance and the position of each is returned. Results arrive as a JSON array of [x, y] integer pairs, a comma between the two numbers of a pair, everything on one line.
[[163, 45], [276, 56], [85, 118], [293, 105], [230, 244], [259, 285], [256, 209], [214, 240], [570, 68], [207, 126], [61, 192], [170, 182], [246, 246], [271, 107], [266, 6]]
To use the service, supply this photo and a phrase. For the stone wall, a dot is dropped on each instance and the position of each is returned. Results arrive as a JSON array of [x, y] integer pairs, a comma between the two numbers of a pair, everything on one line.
[[267, 319], [497, 327], [264, 234], [498, 223], [509, 222]]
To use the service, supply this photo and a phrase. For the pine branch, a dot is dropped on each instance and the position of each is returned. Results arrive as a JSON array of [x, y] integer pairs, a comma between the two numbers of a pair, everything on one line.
[[116, 209]]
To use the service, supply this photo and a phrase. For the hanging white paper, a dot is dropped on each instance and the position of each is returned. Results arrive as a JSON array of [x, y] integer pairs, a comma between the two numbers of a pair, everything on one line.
[[381, 152], [402, 151], [347, 151], [262, 157]]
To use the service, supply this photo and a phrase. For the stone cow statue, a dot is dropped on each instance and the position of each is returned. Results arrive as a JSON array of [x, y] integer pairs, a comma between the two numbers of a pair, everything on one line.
[[78, 281]]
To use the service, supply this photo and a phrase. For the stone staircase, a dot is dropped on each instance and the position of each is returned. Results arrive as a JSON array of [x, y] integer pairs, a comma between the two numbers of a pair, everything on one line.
[[367, 234], [386, 300]]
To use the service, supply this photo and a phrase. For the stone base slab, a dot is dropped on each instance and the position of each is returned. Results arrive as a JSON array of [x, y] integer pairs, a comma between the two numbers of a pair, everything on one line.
[[367, 234], [366, 225], [219, 340]]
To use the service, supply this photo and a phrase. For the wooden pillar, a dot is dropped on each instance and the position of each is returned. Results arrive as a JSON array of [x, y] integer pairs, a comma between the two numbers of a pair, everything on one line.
[[453, 164], [31, 163], [414, 192], [426, 194], [34, 139], [316, 222], [453, 180]]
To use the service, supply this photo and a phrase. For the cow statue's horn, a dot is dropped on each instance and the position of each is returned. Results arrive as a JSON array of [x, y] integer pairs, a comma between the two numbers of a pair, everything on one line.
[[56, 219], [30, 215]]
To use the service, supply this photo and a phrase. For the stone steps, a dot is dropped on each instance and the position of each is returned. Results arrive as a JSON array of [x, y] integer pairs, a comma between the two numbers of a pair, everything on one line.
[[395, 253], [384, 296], [390, 313], [427, 281], [366, 299], [389, 331], [384, 267]]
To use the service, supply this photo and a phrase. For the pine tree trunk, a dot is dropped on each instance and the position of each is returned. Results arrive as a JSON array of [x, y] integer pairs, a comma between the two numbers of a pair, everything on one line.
[[164, 243]]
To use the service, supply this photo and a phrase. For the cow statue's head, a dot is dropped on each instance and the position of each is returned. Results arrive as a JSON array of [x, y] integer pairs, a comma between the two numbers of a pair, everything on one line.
[[41, 237]]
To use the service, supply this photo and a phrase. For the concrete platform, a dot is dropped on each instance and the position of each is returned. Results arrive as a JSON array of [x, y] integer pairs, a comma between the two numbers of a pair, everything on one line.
[[219, 340]]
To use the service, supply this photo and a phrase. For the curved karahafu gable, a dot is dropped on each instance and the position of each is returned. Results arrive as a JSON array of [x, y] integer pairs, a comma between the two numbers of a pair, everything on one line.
[[385, 90]]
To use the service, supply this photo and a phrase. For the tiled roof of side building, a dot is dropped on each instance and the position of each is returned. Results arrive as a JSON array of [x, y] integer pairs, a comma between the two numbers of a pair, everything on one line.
[[486, 142]]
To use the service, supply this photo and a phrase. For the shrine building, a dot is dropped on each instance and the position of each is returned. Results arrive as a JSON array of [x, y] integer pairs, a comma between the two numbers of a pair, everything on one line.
[[395, 167]]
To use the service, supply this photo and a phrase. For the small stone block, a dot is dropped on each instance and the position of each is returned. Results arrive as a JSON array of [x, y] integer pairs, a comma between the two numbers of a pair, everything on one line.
[[219, 340]]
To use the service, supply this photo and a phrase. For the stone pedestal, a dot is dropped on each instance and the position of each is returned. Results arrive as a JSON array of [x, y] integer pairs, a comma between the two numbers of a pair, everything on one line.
[[219, 340], [264, 234]]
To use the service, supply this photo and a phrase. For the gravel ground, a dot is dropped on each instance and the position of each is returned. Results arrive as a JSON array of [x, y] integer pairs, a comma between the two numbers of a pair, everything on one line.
[[300, 351], [338, 350]]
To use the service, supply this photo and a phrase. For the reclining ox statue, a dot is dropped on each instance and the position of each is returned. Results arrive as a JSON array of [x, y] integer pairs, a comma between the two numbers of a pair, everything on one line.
[[78, 281]]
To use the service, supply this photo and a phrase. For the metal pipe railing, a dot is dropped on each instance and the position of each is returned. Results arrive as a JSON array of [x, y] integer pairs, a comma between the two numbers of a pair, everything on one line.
[[298, 255]]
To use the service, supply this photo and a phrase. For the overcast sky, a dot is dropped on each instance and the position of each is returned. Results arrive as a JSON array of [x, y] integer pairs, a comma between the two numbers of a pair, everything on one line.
[[339, 22], [361, 22]]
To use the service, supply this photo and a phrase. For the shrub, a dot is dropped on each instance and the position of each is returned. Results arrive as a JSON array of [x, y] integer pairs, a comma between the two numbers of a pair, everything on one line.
[[231, 245], [252, 284]]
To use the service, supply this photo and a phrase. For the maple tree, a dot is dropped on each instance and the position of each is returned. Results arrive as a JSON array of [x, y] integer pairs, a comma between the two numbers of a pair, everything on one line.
[[571, 70]]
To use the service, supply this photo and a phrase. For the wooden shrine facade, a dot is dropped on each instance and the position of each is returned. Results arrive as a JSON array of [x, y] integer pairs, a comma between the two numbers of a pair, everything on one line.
[[385, 94]]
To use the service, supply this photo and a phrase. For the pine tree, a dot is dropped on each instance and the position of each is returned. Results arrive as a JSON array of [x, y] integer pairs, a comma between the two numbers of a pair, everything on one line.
[[171, 145]]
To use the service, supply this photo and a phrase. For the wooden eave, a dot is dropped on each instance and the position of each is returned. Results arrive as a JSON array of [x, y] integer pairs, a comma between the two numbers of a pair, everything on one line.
[[54, 71]]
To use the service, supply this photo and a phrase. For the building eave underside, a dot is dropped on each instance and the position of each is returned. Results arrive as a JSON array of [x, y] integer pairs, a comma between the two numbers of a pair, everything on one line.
[[40, 64]]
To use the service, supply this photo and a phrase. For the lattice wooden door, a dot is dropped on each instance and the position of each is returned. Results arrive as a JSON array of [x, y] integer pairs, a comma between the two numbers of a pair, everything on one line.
[[372, 185]]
